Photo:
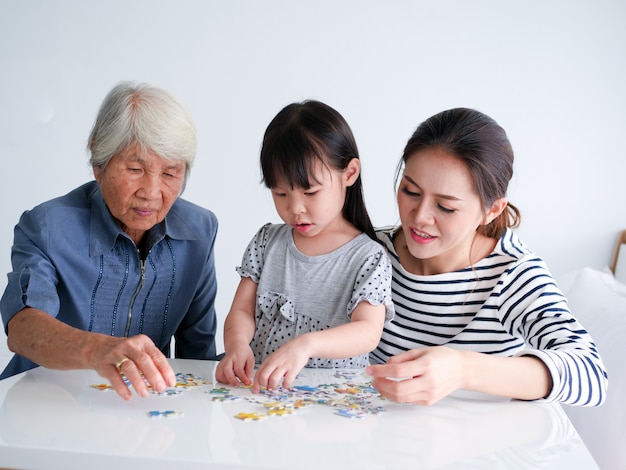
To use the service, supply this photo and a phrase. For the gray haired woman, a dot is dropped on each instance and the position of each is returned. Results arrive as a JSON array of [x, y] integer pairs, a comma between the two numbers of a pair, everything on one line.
[[104, 276]]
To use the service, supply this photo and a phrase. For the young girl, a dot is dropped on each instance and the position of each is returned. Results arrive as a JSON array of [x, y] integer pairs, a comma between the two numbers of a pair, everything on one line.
[[316, 290], [475, 308]]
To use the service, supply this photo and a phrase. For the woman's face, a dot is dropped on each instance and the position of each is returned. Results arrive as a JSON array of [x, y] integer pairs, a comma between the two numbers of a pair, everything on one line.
[[139, 188], [439, 211]]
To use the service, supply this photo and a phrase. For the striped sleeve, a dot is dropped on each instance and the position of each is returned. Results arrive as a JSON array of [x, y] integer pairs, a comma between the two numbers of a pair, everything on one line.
[[533, 307]]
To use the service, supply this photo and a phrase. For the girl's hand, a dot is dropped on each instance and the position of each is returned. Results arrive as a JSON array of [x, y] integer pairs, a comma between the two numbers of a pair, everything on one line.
[[236, 367], [282, 365], [422, 376]]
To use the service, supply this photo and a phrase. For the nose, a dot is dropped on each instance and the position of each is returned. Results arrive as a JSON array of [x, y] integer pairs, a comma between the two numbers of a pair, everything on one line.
[[296, 205], [150, 186], [423, 213]]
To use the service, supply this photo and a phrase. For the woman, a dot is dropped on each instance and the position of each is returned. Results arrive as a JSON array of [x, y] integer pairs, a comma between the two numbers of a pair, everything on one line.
[[475, 308], [104, 276]]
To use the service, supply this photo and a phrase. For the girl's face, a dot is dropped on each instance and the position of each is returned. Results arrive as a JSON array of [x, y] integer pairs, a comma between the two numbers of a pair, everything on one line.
[[440, 212], [316, 212]]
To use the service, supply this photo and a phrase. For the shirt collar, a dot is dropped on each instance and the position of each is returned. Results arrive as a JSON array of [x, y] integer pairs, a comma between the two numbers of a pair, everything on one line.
[[104, 230]]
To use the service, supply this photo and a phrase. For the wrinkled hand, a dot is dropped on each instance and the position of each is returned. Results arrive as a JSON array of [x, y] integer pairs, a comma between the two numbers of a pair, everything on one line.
[[421, 376], [282, 365], [236, 367], [137, 358]]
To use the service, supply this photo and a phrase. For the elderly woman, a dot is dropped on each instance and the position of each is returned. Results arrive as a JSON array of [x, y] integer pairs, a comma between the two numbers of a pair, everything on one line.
[[106, 275]]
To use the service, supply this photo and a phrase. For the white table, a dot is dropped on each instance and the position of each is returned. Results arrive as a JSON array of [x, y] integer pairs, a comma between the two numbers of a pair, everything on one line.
[[55, 419]]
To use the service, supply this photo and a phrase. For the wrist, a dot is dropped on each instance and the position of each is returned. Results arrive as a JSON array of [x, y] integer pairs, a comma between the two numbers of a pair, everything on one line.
[[305, 343], [468, 370]]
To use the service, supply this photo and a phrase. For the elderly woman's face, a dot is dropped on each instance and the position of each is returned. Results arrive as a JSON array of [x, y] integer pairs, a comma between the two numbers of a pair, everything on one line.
[[139, 188]]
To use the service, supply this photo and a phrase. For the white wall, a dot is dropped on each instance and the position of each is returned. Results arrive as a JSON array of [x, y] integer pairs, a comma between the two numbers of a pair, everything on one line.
[[552, 73]]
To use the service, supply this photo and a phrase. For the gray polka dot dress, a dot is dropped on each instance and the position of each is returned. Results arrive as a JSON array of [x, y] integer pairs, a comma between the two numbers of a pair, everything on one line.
[[297, 294]]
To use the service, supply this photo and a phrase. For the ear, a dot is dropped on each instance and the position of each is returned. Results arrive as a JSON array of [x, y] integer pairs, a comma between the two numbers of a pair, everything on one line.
[[352, 171], [495, 210], [97, 172]]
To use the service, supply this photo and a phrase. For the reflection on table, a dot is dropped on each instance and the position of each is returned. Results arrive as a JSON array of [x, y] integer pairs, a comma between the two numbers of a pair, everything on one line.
[[58, 415]]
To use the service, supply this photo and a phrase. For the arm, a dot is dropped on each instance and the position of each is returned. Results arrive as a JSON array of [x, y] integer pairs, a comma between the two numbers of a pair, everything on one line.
[[31, 302], [51, 343], [559, 363], [238, 362], [359, 336], [419, 378]]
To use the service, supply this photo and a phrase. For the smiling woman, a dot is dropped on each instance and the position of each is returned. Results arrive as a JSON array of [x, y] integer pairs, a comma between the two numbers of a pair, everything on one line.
[[137, 268], [475, 308]]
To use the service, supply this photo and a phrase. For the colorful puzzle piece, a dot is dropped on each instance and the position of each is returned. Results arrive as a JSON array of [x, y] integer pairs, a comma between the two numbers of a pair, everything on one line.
[[351, 399], [164, 414], [250, 416]]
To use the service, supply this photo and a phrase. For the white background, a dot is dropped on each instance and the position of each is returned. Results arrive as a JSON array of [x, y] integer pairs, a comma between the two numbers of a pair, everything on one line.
[[553, 74]]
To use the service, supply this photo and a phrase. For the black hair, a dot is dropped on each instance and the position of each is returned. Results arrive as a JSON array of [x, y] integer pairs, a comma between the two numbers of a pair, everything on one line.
[[303, 134]]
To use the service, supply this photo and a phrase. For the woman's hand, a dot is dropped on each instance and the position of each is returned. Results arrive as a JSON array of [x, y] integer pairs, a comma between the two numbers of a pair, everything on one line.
[[422, 376], [51, 343], [141, 362], [236, 367]]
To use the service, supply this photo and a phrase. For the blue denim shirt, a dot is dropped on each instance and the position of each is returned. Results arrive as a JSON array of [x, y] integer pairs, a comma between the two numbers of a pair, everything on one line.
[[71, 260]]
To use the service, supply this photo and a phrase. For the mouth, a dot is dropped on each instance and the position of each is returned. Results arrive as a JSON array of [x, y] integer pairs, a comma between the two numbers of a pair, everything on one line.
[[144, 212], [421, 234], [421, 237], [302, 227]]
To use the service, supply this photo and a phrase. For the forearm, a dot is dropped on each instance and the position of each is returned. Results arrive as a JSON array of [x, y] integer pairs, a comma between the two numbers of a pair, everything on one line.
[[524, 378], [49, 342], [351, 339], [239, 330]]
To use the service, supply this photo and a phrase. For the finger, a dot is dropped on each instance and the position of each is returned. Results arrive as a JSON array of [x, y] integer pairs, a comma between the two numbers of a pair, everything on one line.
[[118, 383], [259, 380], [250, 368], [242, 375], [142, 370], [223, 372], [150, 363], [406, 369], [135, 377], [165, 369], [275, 379], [289, 377]]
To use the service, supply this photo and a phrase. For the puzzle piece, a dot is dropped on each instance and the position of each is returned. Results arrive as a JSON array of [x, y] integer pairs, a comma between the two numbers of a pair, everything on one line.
[[164, 414], [250, 416], [102, 387]]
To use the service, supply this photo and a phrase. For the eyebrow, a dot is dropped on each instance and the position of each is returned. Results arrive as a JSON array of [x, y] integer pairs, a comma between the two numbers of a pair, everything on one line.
[[173, 165], [442, 196]]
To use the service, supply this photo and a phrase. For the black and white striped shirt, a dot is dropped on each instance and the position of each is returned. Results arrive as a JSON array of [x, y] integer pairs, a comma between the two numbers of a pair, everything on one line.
[[507, 304]]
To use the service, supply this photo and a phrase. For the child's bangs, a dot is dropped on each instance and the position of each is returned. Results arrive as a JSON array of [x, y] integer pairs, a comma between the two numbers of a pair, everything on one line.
[[291, 161]]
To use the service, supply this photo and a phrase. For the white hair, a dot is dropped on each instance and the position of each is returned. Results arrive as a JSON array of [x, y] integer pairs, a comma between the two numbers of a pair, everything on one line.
[[141, 114]]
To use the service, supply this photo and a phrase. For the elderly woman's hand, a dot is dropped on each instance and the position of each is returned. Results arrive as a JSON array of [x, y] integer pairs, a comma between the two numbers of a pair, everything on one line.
[[138, 359], [54, 344]]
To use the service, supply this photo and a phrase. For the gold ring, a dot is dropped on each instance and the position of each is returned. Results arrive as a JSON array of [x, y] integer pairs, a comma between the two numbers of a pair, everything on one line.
[[118, 366]]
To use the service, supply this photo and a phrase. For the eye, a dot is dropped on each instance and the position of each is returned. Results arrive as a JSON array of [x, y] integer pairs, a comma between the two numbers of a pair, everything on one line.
[[408, 192], [445, 209], [311, 193]]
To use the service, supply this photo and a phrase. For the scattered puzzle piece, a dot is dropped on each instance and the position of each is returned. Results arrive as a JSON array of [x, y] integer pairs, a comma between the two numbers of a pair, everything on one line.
[[164, 414], [250, 416], [102, 386], [351, 399]]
